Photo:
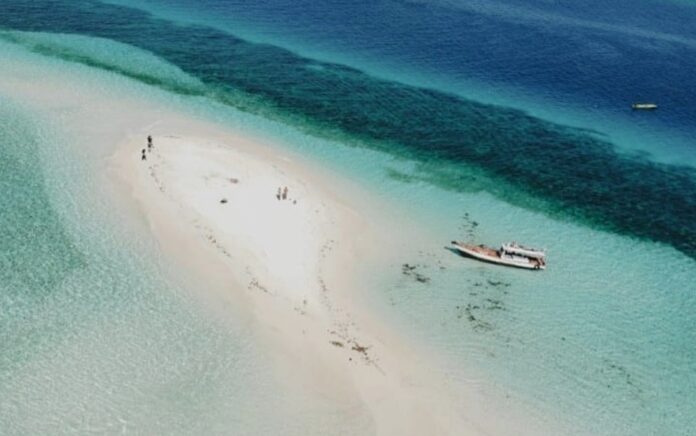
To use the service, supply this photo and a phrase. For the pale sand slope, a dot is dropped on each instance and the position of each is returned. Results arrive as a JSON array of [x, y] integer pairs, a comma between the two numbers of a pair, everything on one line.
[[292, 258]]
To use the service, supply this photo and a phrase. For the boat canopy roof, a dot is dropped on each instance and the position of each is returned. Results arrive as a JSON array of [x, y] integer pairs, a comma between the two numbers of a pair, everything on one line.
[[514, 248]]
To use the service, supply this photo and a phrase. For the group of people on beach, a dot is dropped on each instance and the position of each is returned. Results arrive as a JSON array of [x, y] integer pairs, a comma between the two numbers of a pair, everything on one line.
[[282, 193], [149, 148]]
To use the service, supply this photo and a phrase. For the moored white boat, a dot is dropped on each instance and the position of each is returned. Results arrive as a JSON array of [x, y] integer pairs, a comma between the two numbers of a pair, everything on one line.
[[644, 106], [509, 255]]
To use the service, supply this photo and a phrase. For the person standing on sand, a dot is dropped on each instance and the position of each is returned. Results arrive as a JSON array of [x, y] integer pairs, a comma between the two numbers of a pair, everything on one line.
[[149, 142], [143, 157], [285, 193], [278, 194]]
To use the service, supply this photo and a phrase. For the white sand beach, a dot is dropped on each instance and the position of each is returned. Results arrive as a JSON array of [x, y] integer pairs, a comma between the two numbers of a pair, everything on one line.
[[292, 259]]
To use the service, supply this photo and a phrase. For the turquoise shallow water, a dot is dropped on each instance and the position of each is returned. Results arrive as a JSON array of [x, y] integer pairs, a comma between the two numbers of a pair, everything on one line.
[[98, 334], [602, 342]]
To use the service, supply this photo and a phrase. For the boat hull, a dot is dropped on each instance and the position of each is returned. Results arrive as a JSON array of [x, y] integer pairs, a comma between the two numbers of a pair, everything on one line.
[[487, 255], [644, 107]]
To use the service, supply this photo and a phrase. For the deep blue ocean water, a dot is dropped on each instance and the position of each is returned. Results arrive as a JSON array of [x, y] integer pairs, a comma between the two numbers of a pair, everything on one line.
[[599, 56], [527, 102], [601, 53], [561, 170]]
